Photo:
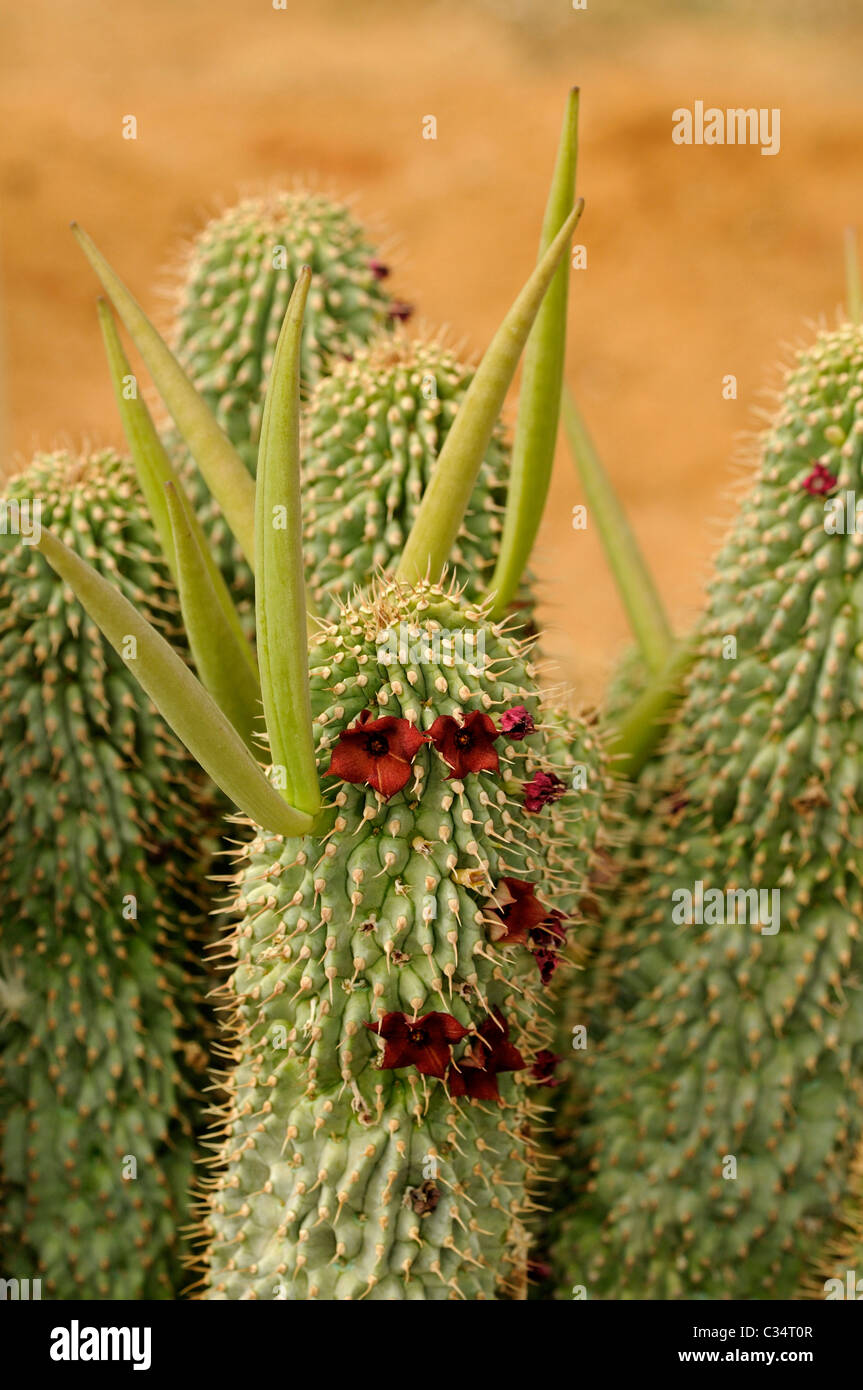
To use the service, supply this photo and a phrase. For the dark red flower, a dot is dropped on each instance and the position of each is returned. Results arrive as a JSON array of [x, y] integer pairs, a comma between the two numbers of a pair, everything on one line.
[[516, 723], [467, 747], [820, 481], [399, 310], [543, 1067], [378, 752], [423, 1043], [378, 269], [516, 910], [540, 790], [546, 940], [487, 1054]]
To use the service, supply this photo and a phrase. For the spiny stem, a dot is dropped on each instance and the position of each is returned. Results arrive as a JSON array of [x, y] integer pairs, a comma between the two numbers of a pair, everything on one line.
[[280, 596], [634, 581], [443, 507], [181, 699], [634, 739], [221, 466], [853, 290], [539, 398], [223, 658]]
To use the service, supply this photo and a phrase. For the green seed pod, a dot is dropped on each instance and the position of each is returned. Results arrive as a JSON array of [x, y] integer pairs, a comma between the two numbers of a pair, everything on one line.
[[724, 1102], [102, 1029]]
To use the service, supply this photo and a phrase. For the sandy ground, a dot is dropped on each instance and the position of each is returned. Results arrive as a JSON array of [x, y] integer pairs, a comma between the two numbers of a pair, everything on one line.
[[701, 261]]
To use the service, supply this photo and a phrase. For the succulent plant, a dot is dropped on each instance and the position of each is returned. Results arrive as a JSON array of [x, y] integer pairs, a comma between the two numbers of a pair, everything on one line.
[[103, 847], [396, 931], [724, 1096]]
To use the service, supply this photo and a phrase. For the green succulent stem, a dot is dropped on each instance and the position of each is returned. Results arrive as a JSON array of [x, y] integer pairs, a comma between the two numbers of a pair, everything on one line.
[[220, 464], [853, 288], [542, 377], [635, 738], [223, 658], [446, 498], [180, 698], [280, 593], [644, 608]]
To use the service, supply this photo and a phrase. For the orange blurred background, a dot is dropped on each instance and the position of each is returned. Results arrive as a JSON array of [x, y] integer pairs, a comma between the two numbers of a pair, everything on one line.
[[701, 261]]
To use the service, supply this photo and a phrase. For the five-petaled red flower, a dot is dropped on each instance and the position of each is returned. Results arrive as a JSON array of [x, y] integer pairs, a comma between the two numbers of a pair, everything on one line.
[[517, 910], [540, 790], [378, 752], [546, 941], [423, 1043], [820, 481], [516, 723], [467, 747], [543, 1067], [487, 1054]]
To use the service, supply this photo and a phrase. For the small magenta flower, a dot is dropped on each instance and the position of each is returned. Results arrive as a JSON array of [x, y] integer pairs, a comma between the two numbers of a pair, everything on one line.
[[423, 1043], [379, 270], [543, 788], [401, 311], [516, 723], [820, 481], [518, 912], [378, 752], [467, 747]]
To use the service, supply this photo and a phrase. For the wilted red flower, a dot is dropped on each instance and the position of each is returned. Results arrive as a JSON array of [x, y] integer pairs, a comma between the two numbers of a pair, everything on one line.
[[820, 481], [400, 310], [467, 747], [489, 1053], [517, 909], [379, 270], [378, 752], [546, 941], [516, 723], [540, 790], [423, 1043], [543, 1067]]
